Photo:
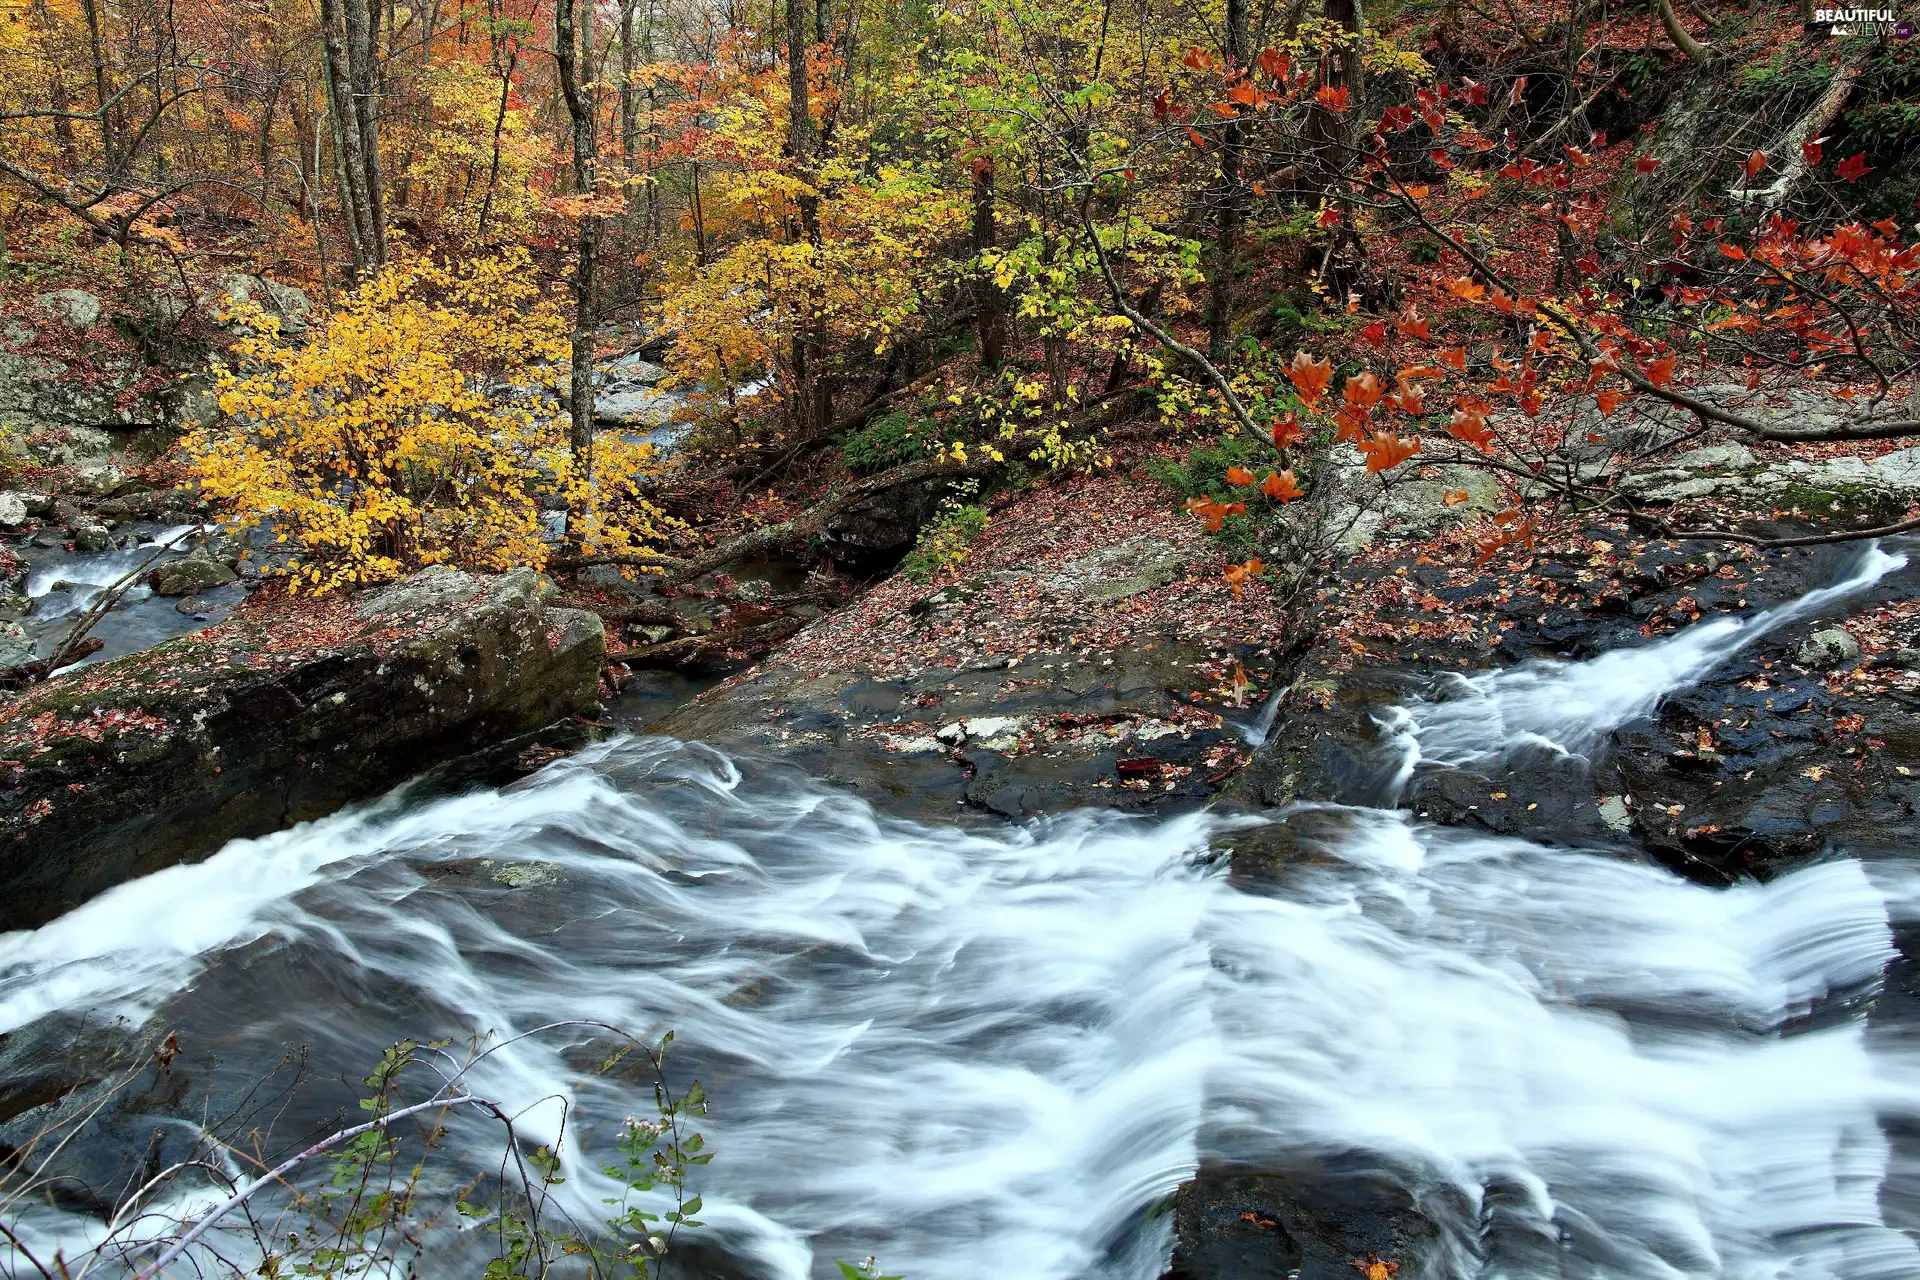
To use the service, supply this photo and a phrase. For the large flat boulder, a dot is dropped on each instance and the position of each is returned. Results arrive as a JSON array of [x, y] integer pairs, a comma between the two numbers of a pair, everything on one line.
[[276, 716]]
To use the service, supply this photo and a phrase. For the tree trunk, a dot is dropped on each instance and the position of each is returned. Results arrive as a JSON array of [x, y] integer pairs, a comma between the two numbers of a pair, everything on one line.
[[1682, 39], [574, 49], [991, 321], [1229, 202], [344, 119], [806, 412], [363, 77]]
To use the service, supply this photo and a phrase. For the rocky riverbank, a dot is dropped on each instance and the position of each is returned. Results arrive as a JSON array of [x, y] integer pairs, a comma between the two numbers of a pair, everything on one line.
[[278, 715]]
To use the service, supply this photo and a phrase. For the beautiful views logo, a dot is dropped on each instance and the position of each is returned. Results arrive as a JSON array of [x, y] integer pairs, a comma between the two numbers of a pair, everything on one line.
[[1841, 22]]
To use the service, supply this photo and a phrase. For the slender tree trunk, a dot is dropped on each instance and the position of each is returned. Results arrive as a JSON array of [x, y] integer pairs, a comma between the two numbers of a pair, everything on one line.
[[1229, 202], [363, 80], [574, 50], [109, 116], [800, 146], [991, 304], [344, 119]]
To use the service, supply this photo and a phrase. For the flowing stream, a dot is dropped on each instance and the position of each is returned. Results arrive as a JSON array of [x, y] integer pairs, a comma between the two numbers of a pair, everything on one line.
[[995, 1051]]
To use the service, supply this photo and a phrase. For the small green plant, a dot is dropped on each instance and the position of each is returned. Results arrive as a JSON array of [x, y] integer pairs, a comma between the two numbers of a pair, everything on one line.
[[943, 544], [887, 441]]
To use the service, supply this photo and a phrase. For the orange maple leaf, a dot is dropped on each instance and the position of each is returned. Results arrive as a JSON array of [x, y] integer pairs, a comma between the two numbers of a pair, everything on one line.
[[1363, 390], [1454, 497], [1467, 287], [1412, 323], [1455, 356], [1755, 163], [1609, 401], [1239, 475], [1471, 427], [1660, 372], [1281, 486], [1309, 377], [1238, 575], [1387, 450], [1287, 431], [1333, 97]]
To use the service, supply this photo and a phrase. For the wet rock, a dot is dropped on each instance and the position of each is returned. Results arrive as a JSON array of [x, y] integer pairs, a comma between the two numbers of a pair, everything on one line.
[[75, 308], [263, 721], [13, 510], [93, 538], [1828, 647], [189, 574]]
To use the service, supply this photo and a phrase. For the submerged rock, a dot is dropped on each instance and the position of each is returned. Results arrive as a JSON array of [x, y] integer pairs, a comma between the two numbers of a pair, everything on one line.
[[269, 719]]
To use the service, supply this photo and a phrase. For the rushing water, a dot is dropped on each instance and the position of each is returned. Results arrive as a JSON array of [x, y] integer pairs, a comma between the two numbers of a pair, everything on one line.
[[993, 1052]]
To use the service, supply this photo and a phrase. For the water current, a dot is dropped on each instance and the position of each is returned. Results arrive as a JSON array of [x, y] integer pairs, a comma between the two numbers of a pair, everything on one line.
[[997, 1051]]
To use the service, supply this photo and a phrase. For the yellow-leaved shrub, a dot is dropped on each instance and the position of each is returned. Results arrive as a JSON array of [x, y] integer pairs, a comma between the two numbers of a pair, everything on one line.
[[416, 424]]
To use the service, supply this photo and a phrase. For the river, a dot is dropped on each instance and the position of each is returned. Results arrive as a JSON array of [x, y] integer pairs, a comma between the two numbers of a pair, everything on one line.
[[984, 1050]]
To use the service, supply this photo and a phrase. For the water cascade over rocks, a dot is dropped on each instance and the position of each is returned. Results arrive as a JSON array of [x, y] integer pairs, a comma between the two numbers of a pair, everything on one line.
[[993, 1051]]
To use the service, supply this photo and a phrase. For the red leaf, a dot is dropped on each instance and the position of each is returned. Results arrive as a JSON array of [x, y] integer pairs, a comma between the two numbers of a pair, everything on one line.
[[1287, 431], [1810, 151], [1645, 164], [1853, 168], [1375, 333]]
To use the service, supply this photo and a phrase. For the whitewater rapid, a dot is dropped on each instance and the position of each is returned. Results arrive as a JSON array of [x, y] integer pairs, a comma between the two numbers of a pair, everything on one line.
[[997, 1051]]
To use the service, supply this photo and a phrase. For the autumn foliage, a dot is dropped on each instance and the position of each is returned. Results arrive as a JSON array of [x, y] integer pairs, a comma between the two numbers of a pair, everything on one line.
[[417, 426]]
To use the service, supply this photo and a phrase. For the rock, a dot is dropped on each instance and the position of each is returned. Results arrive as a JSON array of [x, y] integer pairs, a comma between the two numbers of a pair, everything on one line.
[[15, 605], [191, 606], [1829, 647], [283, 302], [1614, 812], [1122, 570], [35, 504], [13, 510], [872, 535], [75, 308], [160, 757], [93, 538], [97, 478], [192, 573], [16, 646]]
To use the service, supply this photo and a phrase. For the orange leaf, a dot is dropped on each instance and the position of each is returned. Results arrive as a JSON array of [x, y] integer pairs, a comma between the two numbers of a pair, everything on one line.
[[1755, 163], [1287, 431], [1471, 427], [1375, 333], [1351, 424], [1309, 377], [1363, 390], [1412, 324], [1733, 251], [1418, 193], [1468, 288], [1609, 401], [1660, 372], [1455, 356], [1333, 97], [1386, 450], [1454, 497], [1238, 575], [1239, 475], [1281, 486], [1329, 216]]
